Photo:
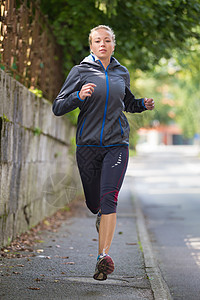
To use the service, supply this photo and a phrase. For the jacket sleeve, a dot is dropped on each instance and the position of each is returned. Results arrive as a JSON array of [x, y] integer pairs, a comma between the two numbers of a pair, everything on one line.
[[68, 97], [132, 105]]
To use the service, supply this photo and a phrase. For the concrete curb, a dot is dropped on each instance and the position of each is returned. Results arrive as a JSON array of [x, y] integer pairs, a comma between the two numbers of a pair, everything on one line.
[[158, 284]]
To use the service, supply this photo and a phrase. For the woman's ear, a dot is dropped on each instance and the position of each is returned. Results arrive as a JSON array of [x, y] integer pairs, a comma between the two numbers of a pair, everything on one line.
[[113, 50]]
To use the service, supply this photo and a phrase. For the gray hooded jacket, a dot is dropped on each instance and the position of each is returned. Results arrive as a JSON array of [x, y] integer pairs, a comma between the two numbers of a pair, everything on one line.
[[101, 120]]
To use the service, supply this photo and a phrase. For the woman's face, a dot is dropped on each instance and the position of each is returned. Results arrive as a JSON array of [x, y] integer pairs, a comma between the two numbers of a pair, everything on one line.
[[102, 44]]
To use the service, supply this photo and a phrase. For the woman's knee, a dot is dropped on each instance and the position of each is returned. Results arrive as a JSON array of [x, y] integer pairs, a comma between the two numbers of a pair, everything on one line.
[[108, 205], [92, 208]]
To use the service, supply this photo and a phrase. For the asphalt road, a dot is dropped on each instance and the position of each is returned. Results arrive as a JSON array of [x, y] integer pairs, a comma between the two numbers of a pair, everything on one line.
[[166, 181]]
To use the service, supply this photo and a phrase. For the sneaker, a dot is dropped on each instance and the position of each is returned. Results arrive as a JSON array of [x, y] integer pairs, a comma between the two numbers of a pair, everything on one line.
[[98, 219], [104, 266]]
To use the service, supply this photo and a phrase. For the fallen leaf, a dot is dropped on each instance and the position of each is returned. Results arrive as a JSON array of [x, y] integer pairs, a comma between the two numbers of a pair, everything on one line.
[[56, 280], [43, 256], [120, 232], [131, 243], [46, 222], [38, 279], [19, 255], [69, 263], [16, 273], [33, 288], [91, 255], [64, 257], [20, 265], [95, 240], [39, 250]]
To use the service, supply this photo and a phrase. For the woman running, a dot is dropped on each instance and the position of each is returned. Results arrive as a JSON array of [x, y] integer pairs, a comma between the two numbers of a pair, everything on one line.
[[100, 87]]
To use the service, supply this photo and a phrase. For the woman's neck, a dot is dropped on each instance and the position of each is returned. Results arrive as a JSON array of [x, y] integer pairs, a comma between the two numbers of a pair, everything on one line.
[[105, 62]]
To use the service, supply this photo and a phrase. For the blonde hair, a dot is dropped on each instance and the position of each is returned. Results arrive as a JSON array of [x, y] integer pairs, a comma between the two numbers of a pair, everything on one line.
[[101, 27]]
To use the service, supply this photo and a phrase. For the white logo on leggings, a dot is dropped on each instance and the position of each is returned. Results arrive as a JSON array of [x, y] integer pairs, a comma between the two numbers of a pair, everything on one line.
[[119, 161]]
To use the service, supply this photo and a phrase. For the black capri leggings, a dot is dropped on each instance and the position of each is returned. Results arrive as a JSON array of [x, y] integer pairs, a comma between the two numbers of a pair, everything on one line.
[[102, 172]]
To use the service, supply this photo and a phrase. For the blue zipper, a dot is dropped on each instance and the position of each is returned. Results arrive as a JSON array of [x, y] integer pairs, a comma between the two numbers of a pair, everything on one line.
[[120, 124], [106, 105], [81, 131]]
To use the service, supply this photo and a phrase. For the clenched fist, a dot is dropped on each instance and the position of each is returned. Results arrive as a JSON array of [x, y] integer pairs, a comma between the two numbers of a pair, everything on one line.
[[86, 90], [149, 103]]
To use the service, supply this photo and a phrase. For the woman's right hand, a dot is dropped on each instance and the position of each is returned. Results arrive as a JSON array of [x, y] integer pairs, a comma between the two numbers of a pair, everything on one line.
[[87, 90]]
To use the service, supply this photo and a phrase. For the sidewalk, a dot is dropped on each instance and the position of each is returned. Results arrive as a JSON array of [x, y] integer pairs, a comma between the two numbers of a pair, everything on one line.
[[65, 268]]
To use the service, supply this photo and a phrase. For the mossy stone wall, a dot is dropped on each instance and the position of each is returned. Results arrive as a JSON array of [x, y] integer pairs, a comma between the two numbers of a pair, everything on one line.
[[38, 172]]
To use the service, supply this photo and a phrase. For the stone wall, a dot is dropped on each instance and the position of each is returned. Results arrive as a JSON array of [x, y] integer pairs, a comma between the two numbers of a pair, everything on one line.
[[38, 173]]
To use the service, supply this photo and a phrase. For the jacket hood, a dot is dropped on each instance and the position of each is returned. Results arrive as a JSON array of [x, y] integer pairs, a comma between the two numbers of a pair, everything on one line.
[[92, 60]]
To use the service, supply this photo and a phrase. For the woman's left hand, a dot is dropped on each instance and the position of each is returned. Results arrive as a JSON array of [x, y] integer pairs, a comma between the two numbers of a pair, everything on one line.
[[149, 103]]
